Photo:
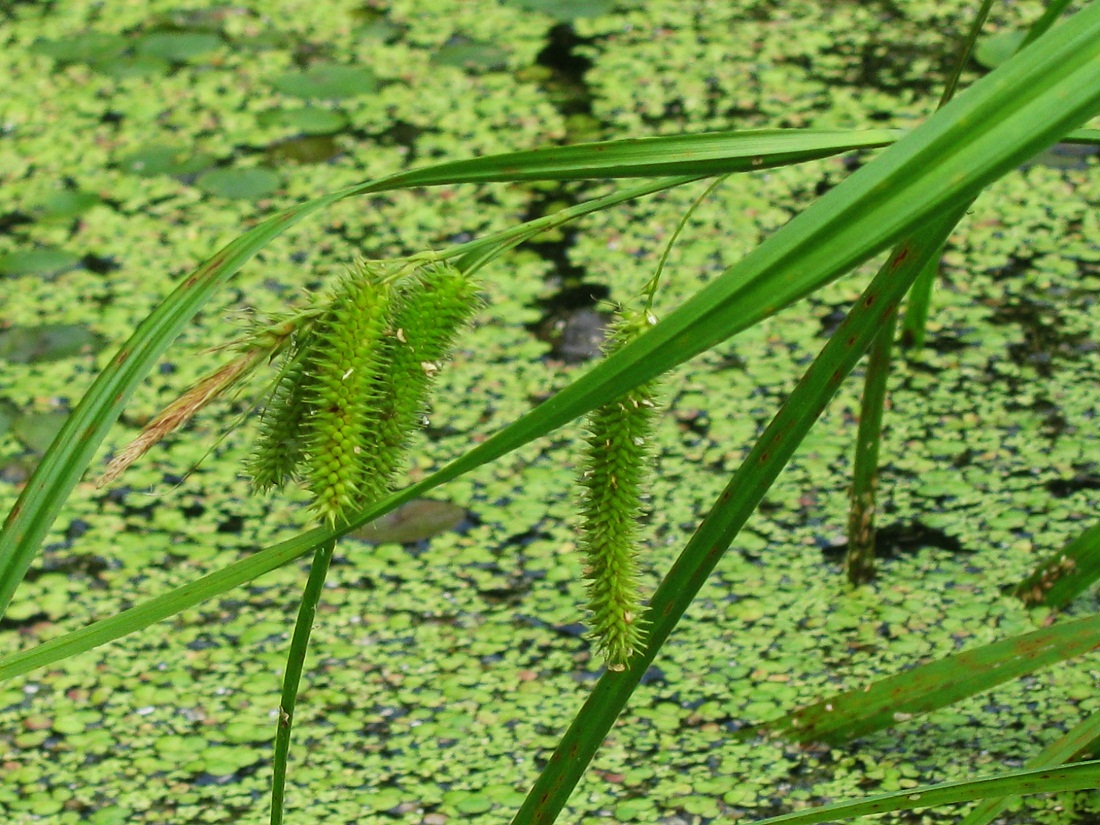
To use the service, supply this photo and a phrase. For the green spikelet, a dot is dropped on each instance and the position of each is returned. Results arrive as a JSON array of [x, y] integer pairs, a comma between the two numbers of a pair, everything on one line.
[[432, 307], [347, 354], [613, 473], [278, 450]]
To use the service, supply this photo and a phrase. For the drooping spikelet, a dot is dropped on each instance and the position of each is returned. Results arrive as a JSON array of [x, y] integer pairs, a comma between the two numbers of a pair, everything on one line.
[[432, 306], [612, 480], [340, 389], [356, 382], [278, 451]]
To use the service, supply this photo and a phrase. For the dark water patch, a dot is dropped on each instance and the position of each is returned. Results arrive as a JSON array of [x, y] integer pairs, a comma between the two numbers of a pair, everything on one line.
[[574, 335], [1044, 339], [8, 623], [400, 134], [1065, 487], [1069, 156], [233, 524], [84, 565], [99, 265], [571, 324], [565, 85], [10, 220], [894, 540]]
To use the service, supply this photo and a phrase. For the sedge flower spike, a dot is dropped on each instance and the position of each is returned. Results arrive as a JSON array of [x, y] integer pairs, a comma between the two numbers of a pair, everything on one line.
[[278, 451], [340, 389], [356, 383], [613, 474], [431, 307]]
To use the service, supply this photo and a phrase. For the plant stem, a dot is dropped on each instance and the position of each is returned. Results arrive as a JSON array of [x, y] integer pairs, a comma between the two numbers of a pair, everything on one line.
[[296, 657], [737, 502], [860, 560]]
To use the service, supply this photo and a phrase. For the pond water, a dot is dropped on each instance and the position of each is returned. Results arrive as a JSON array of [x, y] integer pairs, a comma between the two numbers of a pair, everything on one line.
[[137, 139]]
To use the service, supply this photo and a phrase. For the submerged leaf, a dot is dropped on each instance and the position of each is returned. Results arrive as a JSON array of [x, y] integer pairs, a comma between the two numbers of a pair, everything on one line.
[[49, 342], [43, 261], [157, 159], [246, 184], [177, 46], [36, 431], [327, 81], [413, 521], [937, 684]]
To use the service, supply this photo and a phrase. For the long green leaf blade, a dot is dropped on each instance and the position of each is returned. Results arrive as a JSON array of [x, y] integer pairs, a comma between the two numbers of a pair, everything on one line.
[[1061, 577], [86, 427], [1023, 106], [937, 684], [1077, 743], [1078, 777]]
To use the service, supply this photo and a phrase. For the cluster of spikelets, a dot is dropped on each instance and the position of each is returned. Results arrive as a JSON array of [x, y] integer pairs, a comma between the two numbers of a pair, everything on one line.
[[612, 478], [355, 383]]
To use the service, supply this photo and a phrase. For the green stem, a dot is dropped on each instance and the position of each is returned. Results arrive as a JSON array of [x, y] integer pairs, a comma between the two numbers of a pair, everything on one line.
[[914, 326], [650, 289], [474, 254], [295, 660], [1078, 744], [1063, 576], [1049, 17], [860, 561], [737, 502]]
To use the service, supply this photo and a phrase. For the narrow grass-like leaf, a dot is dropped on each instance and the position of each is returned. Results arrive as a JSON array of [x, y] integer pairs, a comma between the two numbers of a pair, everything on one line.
[[859, 561], [737, 502], [1064, 575], [1017, 110], [75, 445], [1083, 776], [292, 676], [1079, 743], [935, 685]]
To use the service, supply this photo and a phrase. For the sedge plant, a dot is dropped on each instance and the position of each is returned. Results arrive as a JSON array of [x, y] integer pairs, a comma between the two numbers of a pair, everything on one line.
[[330, 389]]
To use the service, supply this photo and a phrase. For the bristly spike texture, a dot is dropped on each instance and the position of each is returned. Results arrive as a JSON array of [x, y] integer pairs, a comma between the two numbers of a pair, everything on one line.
[[612, 478], [347, 353], [278, 452], [432, 306], [356, 385]]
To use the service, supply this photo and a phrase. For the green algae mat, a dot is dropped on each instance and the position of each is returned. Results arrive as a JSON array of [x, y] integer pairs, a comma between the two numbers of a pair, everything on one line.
[[449, 652]]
